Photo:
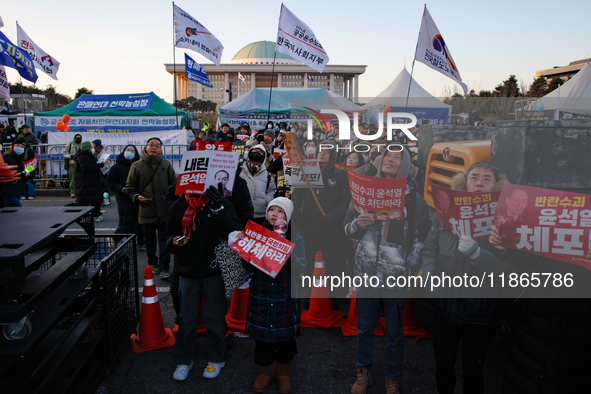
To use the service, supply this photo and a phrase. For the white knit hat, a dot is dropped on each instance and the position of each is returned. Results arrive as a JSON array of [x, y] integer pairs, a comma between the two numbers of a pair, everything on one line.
[[283, 203]]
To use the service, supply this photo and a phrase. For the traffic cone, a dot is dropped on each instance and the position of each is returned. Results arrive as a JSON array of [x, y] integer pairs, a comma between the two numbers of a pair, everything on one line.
[[349, 326], [320, 313], [201, 329], [236, 319], [152, 334], [412, 326]]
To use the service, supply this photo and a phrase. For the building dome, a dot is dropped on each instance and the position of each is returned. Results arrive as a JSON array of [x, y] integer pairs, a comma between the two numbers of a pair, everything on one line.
[[261, 52]]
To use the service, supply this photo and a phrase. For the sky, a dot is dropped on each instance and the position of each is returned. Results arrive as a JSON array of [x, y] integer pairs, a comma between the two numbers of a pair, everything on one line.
[[121, 46]]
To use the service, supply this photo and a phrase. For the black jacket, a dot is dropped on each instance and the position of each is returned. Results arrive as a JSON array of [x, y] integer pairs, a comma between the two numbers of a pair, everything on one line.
[[116, 179], [194, 259], [87, 179], [16, 188]]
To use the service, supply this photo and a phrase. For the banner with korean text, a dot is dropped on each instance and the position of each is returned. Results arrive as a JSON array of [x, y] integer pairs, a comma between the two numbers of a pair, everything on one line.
[[465, 213], [213, 145], [13, 56], [195, 72], [200, 169], [383, 198], [263, 248], [115, 102], [545, 222], [42, 60], [297, 40]]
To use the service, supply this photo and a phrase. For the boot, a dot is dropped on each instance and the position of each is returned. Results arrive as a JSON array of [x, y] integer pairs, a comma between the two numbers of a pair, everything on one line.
[[262, 381], [283, 380], [392, 386], [364, 379]]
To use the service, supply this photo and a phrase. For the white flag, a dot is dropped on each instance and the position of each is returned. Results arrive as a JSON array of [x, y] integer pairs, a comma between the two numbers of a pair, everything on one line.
[[48, 64], [1, 22], [4, 88], [296, 39], [240, 77], [190, 34], [432, 51]]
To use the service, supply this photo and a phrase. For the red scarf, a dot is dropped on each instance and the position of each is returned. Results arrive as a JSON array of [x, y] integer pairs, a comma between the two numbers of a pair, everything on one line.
[[195, 204]]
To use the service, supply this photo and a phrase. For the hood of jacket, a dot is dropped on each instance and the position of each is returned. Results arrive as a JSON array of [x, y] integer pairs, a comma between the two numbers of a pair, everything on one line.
[[404, 169], [247, 160], [333, 155], [458, 182]]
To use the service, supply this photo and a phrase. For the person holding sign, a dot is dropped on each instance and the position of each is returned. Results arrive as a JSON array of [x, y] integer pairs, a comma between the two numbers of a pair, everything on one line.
[[273, 316], [385, 249], [196, 225], [15, 156], [467, 320]]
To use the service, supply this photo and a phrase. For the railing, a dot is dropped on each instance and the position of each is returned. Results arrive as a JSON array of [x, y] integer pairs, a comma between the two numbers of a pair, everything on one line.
[[50, 170]]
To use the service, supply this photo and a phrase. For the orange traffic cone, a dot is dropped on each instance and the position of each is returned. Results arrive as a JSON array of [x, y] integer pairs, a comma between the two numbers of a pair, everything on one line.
[[320, 313], [201, 329], [412, 326], [349, 326], [236, 319], [152, 334]]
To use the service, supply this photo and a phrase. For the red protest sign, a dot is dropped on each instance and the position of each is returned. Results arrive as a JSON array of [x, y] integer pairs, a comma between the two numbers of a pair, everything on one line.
[[545, 222], [382, 197], [465, 213], [213, 145], [263, 248]]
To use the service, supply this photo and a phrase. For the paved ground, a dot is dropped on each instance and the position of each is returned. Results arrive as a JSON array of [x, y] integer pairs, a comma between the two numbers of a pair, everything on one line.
[[325, 363]]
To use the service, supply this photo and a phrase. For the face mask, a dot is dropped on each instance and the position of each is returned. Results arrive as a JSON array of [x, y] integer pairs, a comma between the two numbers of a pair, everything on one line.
[[317, 134], [18, 150], [129, 155], [310, 152], [92, 150], [78, 141], [255, 156], [269, 126]]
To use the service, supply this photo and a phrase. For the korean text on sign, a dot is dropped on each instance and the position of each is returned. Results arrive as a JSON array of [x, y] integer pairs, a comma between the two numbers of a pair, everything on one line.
[[465, 213], [550, 223], [263, 249], [383, 198]]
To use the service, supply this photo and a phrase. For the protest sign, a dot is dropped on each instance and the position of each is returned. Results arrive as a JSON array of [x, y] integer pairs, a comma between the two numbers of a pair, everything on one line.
[[238, 147], [213, 145], [294, 177], [292, 147], [200, 169], [222, 169], [465, 213], [345, 167], [382, 197], [545, 222], [278, 152], [263, 249]]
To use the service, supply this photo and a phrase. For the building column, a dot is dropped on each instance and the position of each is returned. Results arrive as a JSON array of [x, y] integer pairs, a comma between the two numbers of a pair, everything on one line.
[[306, 80], [253, 84], [226, 87], [345, 87], [350, 85], [356, 89], [331, 82], [279, 80], [199, 91]]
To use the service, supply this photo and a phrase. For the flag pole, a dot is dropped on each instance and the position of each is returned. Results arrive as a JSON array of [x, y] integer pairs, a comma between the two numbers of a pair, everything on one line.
[[174, 76], [413, 60], [271, 90]]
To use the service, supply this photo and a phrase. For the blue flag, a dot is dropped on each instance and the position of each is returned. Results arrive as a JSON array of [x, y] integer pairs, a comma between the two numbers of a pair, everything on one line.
[[195, 72], [12, 56], [310, 78]]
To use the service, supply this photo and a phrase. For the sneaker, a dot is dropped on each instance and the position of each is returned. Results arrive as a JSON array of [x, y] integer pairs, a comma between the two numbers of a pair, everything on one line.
[[98, 218], [392, 386], [364, 379], [23, 198], [30, 198], [182, 371], [106, 201], [165, 275], [213, 369], [155, 270], [72, 195]]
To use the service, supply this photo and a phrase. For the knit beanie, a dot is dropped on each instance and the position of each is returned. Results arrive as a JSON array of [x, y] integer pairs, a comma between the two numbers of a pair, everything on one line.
[[283, 203]]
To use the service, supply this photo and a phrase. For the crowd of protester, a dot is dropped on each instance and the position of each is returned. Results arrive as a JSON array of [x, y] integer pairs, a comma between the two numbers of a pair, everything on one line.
[[550, 342]]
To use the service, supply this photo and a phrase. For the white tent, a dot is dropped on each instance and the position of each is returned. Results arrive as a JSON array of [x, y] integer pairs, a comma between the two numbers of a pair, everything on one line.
[[420, 102], [574, 96]]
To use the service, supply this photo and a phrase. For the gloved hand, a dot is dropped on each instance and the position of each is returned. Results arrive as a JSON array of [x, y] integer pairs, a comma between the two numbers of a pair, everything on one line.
[[216, 197], [469, 247], [101, 165]]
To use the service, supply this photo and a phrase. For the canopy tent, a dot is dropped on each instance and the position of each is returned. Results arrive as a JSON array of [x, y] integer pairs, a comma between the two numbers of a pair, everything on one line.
[[287, 105], [420, 102], [122, 113], [574, 98]]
